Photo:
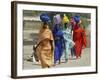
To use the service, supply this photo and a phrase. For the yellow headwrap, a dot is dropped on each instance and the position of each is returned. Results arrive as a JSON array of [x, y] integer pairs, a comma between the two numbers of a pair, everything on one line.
[[65, 19]]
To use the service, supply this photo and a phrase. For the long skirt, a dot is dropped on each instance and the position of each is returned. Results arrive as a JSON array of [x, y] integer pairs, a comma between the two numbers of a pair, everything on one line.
[[45, 57]]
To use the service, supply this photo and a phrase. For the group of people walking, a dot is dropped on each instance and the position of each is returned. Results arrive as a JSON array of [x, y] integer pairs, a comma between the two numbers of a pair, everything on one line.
[[66, 37]]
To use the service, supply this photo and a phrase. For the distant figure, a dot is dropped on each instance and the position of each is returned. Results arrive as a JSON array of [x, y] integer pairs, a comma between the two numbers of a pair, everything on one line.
[[45, 43], [58, 38], [79, 37], [34, 53]]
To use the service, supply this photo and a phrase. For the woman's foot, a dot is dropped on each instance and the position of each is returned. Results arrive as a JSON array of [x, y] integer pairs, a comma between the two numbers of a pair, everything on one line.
[[48, 66], [73, 57]]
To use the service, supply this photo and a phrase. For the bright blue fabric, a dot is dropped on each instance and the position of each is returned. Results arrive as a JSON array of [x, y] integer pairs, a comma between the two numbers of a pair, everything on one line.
[[44, 17], [58, 39], [77, 19]]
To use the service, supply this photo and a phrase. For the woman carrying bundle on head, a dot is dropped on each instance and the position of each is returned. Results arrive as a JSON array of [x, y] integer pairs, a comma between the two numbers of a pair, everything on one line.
[[79, 37], [45, 43], [58, 38], [67, 34]]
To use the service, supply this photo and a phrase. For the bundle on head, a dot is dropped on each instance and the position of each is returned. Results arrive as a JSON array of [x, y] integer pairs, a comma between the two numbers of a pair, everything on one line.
[[44, 17], [77, 19], [57, 19], [65, 19]]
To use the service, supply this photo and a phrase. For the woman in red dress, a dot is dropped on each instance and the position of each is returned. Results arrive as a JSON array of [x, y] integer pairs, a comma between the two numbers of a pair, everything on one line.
[[79, 37]]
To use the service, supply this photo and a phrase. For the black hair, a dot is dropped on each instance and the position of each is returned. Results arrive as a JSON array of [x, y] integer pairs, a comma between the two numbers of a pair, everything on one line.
[[45, 23], [65, 25]]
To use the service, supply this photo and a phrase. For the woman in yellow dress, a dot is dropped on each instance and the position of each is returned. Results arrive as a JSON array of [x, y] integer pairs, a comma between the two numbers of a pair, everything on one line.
[[45, 44]]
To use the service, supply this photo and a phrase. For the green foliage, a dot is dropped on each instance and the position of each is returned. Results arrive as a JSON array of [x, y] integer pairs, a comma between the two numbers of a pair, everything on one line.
[[85, 22]]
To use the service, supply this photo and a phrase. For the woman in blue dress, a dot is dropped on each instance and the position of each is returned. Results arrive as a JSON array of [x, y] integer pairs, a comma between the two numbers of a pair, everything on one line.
[[58, 38]]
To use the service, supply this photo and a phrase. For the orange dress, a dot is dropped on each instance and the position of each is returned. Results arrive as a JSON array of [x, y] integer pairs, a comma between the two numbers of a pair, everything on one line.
[[45, 48]]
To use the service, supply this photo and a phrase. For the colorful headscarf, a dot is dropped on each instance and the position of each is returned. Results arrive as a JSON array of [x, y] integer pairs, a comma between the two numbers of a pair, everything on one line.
[[77, 19], [65, 19], [44, 17], [57, 19]]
